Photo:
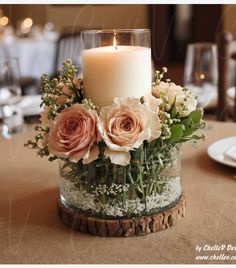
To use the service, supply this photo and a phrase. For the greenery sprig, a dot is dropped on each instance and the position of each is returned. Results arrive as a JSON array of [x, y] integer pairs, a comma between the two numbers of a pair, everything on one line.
[[66, 86]]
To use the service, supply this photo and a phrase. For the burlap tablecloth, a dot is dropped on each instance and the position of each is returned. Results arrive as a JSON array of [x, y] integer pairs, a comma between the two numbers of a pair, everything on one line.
[[30, 231]]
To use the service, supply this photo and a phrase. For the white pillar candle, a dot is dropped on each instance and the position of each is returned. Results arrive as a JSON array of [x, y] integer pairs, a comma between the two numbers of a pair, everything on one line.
[[116, 71]]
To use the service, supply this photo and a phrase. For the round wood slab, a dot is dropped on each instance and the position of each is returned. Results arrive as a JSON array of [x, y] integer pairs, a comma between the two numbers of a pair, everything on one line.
[[122, 227]]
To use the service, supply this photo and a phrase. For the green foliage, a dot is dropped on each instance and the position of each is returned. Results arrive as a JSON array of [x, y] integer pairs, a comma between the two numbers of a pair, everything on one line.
[[176, 133], [183, 130], [142, 174]]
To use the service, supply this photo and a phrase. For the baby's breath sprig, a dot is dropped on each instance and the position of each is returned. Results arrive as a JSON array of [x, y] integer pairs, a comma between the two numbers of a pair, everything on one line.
[[67, 75], [68, 71], [166, 106], [35, 144], [166, 122], [160, 75], [39, 143], [40, 128], [66, 86], [88, 104], [54, 110]]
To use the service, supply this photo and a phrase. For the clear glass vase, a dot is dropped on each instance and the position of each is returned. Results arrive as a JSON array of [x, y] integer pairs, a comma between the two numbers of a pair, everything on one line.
[[149, 184]]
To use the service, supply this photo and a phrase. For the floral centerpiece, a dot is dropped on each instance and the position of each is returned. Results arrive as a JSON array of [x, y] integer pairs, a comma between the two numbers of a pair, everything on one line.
[[118, 161]]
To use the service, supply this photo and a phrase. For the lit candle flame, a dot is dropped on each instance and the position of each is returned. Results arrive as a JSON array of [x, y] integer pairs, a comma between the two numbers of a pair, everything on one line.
[[202, 76], [114, 41], [26, 25], [4, 21]]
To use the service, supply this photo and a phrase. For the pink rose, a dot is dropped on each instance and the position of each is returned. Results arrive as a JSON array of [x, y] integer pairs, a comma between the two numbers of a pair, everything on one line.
[[74, 134], [124, 126]]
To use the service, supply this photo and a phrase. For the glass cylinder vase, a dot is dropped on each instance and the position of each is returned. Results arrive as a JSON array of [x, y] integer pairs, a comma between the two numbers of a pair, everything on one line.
[[151, 183]]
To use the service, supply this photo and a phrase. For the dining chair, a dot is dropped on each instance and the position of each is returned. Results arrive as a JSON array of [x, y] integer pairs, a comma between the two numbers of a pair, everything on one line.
[[227, 62], [68, 46]]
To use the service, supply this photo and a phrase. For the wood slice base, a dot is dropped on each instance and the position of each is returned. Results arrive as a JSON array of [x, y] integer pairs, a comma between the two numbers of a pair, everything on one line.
[[122, 227]]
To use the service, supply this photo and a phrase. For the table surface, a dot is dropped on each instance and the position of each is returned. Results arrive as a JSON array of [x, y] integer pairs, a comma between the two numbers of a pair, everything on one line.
[[30, 231]]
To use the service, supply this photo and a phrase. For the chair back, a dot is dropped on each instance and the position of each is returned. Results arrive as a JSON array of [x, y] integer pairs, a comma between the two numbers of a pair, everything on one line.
[[227, 63], [69, 47]]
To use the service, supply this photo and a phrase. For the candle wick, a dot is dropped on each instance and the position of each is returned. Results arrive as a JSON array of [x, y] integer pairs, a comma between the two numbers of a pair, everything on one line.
[[116, 47]]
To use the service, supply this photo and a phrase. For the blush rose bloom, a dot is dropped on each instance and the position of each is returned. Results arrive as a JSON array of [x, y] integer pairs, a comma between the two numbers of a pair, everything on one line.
[[124, 126], [73, 134]]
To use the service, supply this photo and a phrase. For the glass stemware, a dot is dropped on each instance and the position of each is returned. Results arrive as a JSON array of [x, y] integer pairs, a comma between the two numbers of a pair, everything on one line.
[[201, 72], [10, 95]]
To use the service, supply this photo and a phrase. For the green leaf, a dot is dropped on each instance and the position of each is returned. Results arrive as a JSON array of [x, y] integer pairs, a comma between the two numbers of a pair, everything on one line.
[[192, 122], [176, 133], [193, 138], [173, 112], [189, 126], [196, 116]]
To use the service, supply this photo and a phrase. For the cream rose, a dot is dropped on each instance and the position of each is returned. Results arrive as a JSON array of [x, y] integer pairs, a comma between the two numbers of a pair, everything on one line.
[[74, 134], [152, 104], [124, 126], [184, 101], [170, 90]]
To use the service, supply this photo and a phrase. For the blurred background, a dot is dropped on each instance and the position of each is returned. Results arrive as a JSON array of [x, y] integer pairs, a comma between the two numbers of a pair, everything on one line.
[[41, 37], [173, 27]]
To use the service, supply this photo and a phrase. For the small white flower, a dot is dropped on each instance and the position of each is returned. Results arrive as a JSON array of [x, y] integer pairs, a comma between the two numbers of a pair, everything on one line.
[[164, 69]]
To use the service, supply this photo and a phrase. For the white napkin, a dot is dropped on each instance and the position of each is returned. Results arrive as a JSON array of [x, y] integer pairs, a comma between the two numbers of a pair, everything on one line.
[[231, 153]]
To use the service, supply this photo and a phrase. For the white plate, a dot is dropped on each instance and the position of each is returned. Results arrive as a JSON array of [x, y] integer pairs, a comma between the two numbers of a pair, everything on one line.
[[217, 150]]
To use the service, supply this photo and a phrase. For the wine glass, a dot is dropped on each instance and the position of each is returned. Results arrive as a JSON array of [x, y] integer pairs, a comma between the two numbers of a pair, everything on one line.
[[10, 95], [201, 72]]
